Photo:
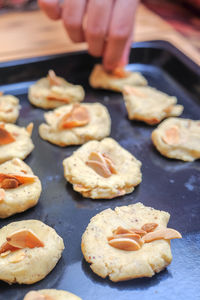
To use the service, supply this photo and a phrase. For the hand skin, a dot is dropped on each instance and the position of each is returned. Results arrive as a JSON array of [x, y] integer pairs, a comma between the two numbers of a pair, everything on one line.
[[106, 25]]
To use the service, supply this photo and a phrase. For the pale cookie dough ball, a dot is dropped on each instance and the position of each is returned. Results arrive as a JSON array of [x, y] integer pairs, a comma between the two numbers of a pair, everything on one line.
[[117, 174], [15, 141], [53, 91], [25, 195], [9, 108], [98, 126], [99, 78], [178, 138], [118, 264], [150, 105], [29, 265], [51, 294]]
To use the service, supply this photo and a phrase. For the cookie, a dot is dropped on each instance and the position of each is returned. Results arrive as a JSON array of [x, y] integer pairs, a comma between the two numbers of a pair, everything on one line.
[[76, 124], [9, 108], [128, 242], [102, 170], [178, 138], [150, 105], [20, 189], [50, 294], [15, 141], [116, 80], [53, 91], [29, 250]]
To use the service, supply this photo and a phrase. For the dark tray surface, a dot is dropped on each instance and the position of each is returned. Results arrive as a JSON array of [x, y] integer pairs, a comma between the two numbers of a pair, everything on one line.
[[167, 184]]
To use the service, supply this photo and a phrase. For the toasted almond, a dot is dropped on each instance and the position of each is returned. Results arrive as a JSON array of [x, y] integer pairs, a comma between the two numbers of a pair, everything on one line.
[[24, 239], [172, 136], [4, 254], [52, 96], [104, 160], [11, 181], [53, 79], [110, 164], [2, 195], [121, 230], [120, 72], [124, 244], [166, 234], [133, 236], [129, 90], [7, 247], [77, 117], [5, 136], [148, 227], [29, 128], [99, 168], [17, 257], [141, 232]]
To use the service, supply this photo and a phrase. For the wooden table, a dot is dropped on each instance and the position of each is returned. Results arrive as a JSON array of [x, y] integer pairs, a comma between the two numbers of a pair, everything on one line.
[[29, 34]]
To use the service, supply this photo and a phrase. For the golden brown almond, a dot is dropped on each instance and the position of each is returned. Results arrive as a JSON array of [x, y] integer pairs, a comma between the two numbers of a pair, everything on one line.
[[99, 168], [148, 227], [172, 136], [24, 239], [166, 234], [29, 128], [121, 230], [141, 232], [53, 79], [5, 136], [52, 96], [132, 236], [11, 181], [124, 244], [110, 165], [7, 247], [17, 257], [77, 117], [4, 254]]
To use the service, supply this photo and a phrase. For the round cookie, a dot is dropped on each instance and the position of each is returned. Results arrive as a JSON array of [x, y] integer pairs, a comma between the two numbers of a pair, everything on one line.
[[53, 91], [9, 108], [15, 141], [178, 138], [125, 264], [150, 105], [25, 195], [99, 78], [51, 294], [29, 265], [121, 170], [97, 115]]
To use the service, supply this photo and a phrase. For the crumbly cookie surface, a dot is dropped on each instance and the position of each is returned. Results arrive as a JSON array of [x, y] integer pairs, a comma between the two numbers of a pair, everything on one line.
[[16, 200], [178, 138], [149, 104], [118, 264], [27, 266], [21, 147], [9, 108], [99, 126], [90, 184], [46, 95], [54, 294], [100, 79]]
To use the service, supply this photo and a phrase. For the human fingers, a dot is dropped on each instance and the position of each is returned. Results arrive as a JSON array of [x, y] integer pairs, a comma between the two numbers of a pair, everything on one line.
[[72, 16], [120, 30], [51, 8], [98, 15]]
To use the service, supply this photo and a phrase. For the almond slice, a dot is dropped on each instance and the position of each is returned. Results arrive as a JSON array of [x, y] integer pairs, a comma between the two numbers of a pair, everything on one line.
[[11, 181], [166, 234], [104, 162], [7, 247], [172, 136], [24, 239], [124, 244], [110, 164], [53, 79], [141, 232], [17, 257], [132, 236], [99, 168], [52, 96], [77, 117], [121, 230], [5, 136], [2, 195], [29, 128], [120, 72], [4, 254], [129, 90], [148, 227]]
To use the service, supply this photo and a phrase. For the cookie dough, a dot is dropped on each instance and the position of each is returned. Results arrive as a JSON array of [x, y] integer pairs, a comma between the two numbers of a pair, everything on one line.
[[115, 81], [50, 294], [29, 250], [150, 105], [178, 138], [53, 91], [152, 255], [97, 125], [20, 189], [9, 108], [15, 141], [102, 170]]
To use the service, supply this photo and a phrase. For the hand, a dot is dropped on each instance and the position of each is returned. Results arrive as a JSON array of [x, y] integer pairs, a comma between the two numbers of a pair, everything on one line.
[[106, 25]]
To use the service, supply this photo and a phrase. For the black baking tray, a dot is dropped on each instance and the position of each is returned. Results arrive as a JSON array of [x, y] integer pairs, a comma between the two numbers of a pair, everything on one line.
[[169, 185]]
